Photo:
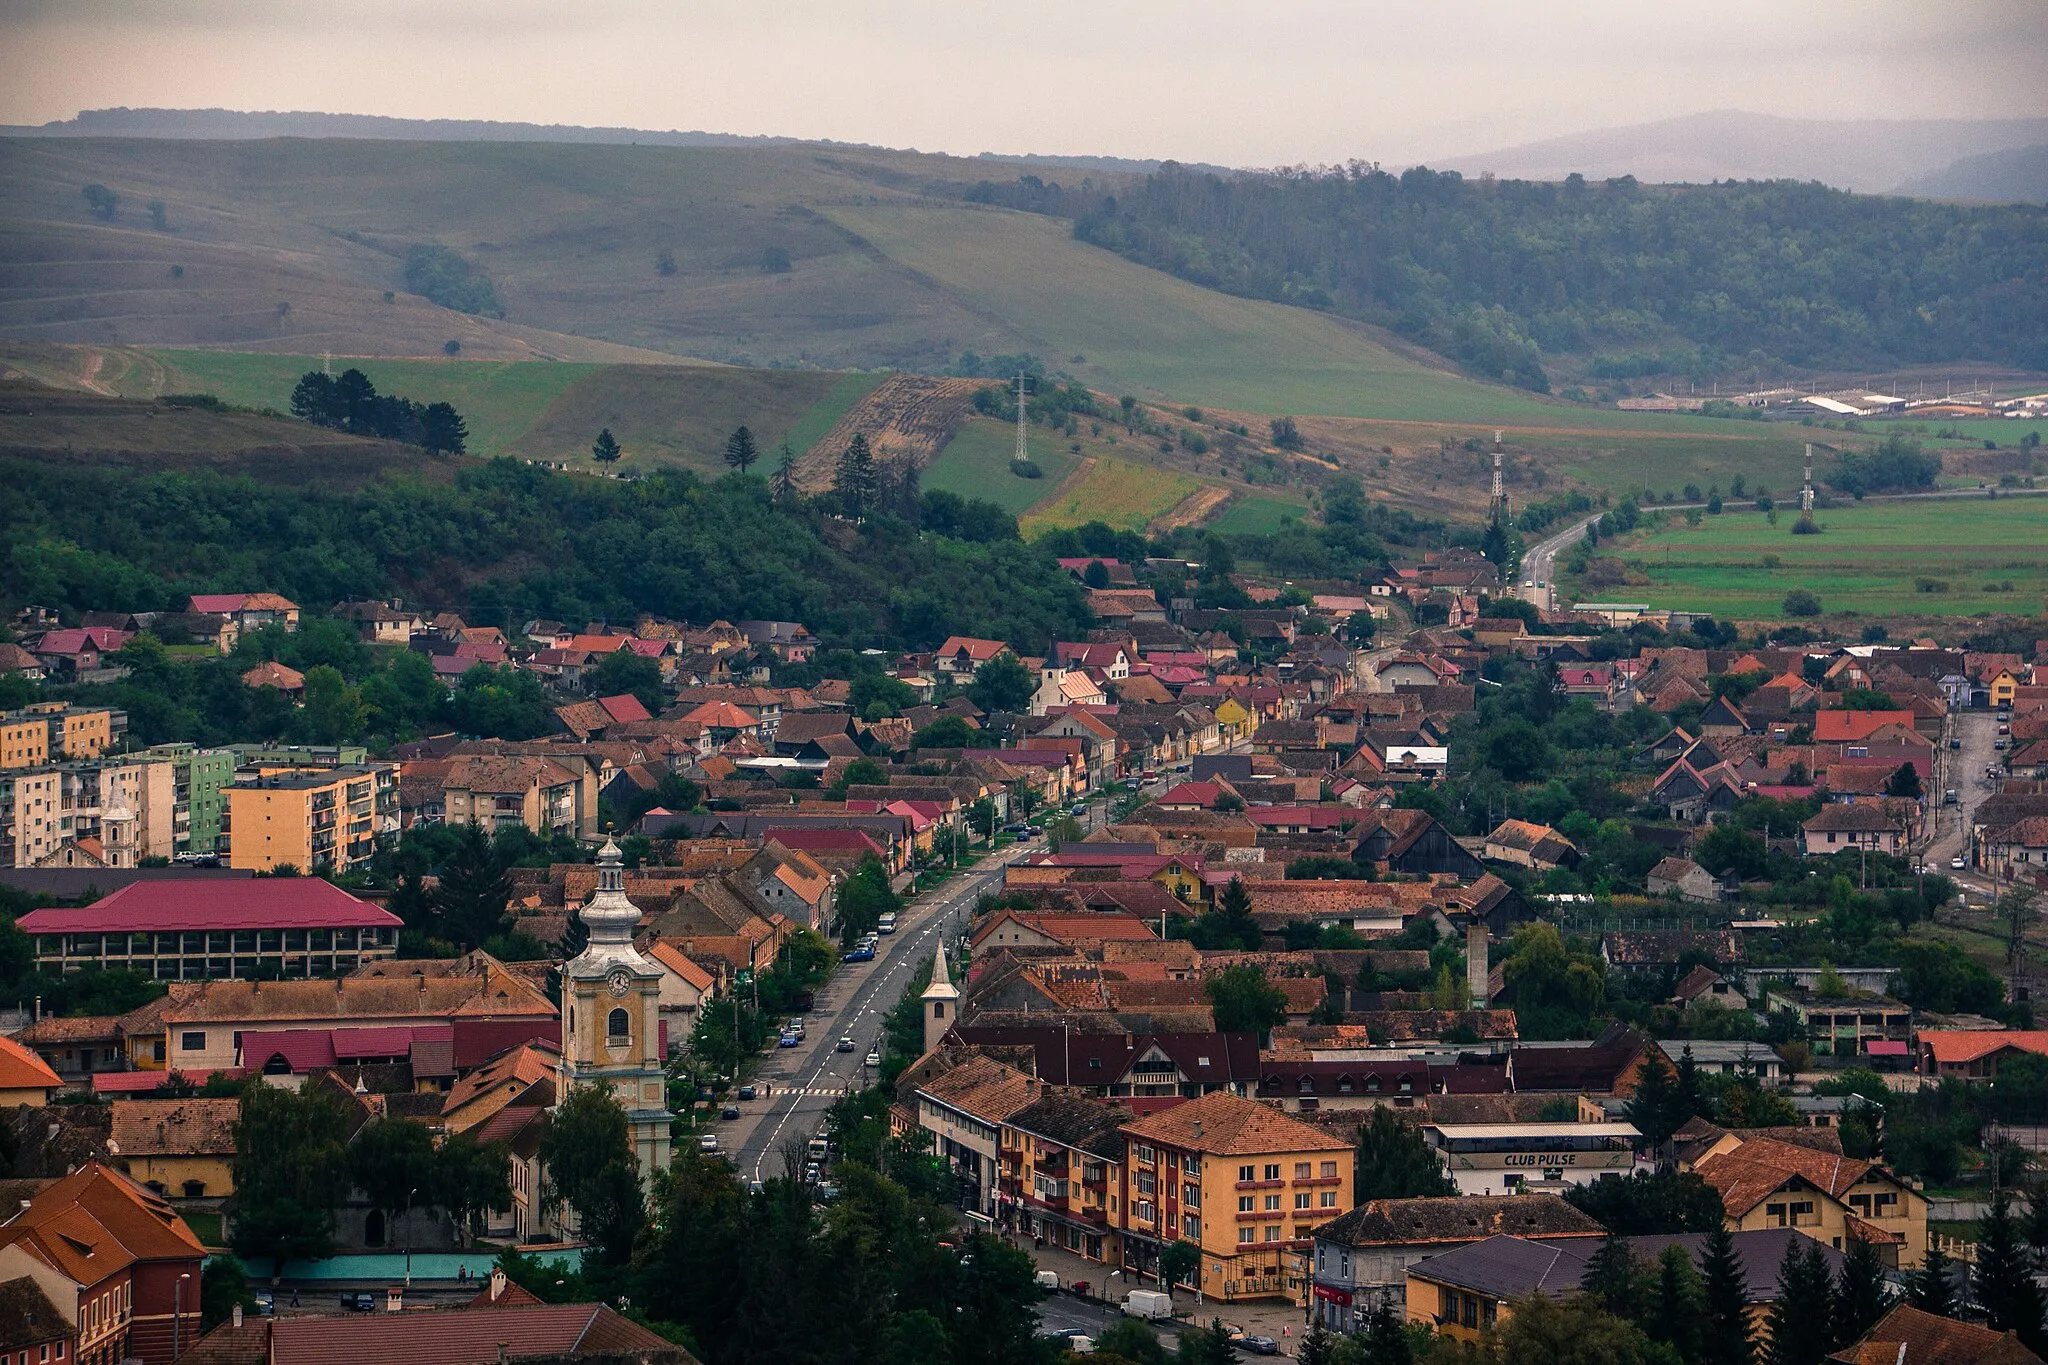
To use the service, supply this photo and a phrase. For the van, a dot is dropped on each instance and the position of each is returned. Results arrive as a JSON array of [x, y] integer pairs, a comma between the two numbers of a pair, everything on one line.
[[887, 923], [1151, 1304], [1049, 1281], [1948, 798], [818, 1148]]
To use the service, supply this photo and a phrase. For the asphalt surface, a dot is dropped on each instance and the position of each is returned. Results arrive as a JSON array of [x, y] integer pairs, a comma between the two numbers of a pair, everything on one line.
[[1963, 771]]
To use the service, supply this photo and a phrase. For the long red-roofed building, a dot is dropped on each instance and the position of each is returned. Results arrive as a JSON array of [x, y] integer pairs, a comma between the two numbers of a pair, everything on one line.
[[182, 930]]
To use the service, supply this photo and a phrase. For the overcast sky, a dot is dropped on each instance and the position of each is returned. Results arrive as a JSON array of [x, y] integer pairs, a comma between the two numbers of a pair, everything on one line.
[[1239, 82]]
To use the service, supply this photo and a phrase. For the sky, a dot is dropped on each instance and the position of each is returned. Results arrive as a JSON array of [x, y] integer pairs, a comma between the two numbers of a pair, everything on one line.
[[1235, 82]]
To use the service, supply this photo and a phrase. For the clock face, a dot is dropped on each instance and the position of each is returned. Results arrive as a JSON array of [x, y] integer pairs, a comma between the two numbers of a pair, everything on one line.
[[619, 982]]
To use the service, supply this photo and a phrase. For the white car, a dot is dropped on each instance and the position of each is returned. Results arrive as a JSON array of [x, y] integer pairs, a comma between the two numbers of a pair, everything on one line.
[[1958, 864], [708, 1143], [874, 1058]]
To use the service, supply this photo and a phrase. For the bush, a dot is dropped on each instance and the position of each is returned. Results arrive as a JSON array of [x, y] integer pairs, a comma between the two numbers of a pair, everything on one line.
[[1026, 469], [1801, 602], [1924, 584], [441, 276]]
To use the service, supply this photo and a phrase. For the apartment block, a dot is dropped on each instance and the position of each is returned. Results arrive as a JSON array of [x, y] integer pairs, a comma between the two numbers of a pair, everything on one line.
[[201, 778], [326, 818]]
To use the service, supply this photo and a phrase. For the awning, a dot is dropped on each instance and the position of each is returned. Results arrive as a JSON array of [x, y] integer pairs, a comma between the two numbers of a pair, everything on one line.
[[1884, 1047]]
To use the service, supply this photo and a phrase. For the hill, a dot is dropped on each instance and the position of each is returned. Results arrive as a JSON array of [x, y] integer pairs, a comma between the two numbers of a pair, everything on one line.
[[2016, 176], [1873, 156]]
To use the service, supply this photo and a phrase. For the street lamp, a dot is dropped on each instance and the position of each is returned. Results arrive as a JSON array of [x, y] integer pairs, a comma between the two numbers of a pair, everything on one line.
[[178, 1317], [406, 1218]]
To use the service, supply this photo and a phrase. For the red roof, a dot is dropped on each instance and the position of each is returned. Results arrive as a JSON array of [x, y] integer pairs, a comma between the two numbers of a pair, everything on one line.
[[1313, 817], [219, 603], [140, 1082], [624, 709], [254, 903], [1953, 1047], [824, 839], [1836, 727]]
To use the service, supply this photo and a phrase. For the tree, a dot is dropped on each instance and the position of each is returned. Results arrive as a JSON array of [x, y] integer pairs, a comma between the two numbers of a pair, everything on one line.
[[1395, 1163], [621, 671], [947, 732], [291, 1172], [1096, 575], [1645, 1203], [854, 478], [1383, 1337], [1495, 546], [1653, 1109], [470, 902], [1231, 924], [1932, 1288], [442, 429], [392, 1163], [1132, 1340], [588, 1151], [1129, 405], [471, 1178], [1725, 1326], [1318, 1347], [863, 899], [223, 1283], [1285, 434], [1801, 602], [1001, 684], [333, 711], [1610, 1278], [605, 449], [1179, 1263], [1801, 1321], [740, 451], [2003, 1281], [103, 202], [1244, 1001], [783, 485], [1905, 782], [1678, 1305], [1573, 1331], [2018, 911], [984, 818], [1205, 1345], [1861, 1296]]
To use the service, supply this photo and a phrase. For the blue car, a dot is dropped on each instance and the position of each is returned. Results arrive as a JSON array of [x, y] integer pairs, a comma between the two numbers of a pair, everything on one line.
[[860, 954], [786, 1040]]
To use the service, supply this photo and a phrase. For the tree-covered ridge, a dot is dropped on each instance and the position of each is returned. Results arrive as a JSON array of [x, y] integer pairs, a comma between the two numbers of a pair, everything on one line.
[[507, 542], [1497, 274]]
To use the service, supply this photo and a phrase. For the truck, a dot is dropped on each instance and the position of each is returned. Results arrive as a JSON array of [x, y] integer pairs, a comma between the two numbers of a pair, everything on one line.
[[1151, 1304]]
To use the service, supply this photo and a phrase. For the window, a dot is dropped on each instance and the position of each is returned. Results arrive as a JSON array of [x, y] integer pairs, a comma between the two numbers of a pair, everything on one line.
[[1191, 1195], [1272, 1202], [1301, 1200], [1246, 1203], [1147, 1182], [1191, 1226], [1247, 1173], [1246, 1235], [1273, 1170], [1302, 1169], [618, 1026], [1193, 1166], [1329, 1170], [193, 1041], [1146, 1154], [1774, 1214], [1272, 1232], [1328, 1199]]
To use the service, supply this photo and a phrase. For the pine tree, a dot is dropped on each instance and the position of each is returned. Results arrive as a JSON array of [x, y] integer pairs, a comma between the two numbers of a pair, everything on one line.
[[740, 451], [1383, 1339], [1932, 1288], [1610, 1279], [854, 479], [1801, 1318], [1724, 1338], [605, 449], [1652, 1109], [1689, 1096], [1234, 920], [1862, 1296], [1494, 545], [783, 485], [2004, 1278], [1318, 1347], [470, 901]]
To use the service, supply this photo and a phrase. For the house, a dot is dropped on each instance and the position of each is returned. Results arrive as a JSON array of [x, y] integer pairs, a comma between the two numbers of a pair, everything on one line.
[[76, 1048], [685, 987], [1908, 1336], [1838, 828], [278, 678], [1766, 1182], [1413, 842], [25, 1078], [130, 1260], [182, 1149], [473, 1334], [32, 1325], [251, 611], [1060, 1157], [1059, 686], [1975, 1054], [1364, 1255], [959, 657], [1855, 727], [964, 1108], [1524, 1158], [383, 623], [1530, 845], [1244, 1183], [1727, 1058], [500, 1082], [2018, 851], [1683, 878]]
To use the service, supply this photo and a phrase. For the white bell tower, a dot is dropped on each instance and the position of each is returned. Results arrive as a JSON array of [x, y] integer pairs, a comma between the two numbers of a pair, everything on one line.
[[941, 1002], [611, 1033]]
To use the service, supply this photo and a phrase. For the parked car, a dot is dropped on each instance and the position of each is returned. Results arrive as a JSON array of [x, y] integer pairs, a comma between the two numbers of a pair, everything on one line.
[[746, 1092], [1034, 830], [1948, 798], [787, 1040], [729, 1113], [861, 953], [818, 1148], [360, 1302], [1958, 864], [1260, 1345], [708, 1143], [887, 925], [1150, 1304]]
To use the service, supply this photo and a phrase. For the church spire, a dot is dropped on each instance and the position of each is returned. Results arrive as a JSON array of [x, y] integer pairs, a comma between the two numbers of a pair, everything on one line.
[[609, 916]]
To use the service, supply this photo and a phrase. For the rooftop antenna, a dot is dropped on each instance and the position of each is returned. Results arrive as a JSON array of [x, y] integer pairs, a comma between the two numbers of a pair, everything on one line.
[[1022, 454]]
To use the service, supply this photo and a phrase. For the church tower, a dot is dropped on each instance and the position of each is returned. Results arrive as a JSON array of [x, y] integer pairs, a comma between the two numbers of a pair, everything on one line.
[[941, 1002], [611, 1033]]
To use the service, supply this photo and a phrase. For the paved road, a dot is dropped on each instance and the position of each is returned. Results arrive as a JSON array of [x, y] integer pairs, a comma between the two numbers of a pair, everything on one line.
[[1963, 770]]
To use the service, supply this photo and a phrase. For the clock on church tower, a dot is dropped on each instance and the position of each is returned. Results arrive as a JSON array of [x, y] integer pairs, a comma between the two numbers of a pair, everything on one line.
[[611, 1033]]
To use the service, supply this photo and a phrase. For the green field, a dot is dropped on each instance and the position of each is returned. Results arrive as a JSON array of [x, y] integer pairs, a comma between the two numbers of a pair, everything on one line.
[[1867, 560], [1257, 516], [1116, 492], [976, 464], [850, 388]]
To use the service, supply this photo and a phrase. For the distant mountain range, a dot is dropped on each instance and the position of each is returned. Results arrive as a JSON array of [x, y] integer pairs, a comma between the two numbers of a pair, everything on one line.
[[2019, 176], [1873, 156]]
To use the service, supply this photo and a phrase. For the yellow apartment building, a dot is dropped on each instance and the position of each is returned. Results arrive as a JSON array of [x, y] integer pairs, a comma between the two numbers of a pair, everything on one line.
[[328, 818]]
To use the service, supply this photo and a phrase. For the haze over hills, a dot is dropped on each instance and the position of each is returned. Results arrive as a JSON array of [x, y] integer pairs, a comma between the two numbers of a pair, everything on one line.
[[2016, 176], [1873, 156]]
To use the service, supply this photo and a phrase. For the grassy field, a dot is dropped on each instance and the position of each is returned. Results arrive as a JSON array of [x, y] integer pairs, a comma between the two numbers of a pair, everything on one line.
[[1258, 516], [976, 464], [674, 415], [850, 388], [1119, 493], [1867, 560]]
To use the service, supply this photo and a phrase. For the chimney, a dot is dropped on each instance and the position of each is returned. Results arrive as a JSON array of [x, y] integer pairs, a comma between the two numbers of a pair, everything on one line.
[[1476, 967], [497, 1283], [238, 1315]]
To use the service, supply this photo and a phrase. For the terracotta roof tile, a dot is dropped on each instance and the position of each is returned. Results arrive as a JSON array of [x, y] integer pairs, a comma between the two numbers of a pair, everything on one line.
[[1227, 1125]]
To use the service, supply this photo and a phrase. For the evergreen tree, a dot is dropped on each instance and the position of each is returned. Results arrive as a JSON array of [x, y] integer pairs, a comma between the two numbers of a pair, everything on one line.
[[783, 485], [1680, 1305], [1494, 545], [443, 430], [605, 449], [1801, 1319], [1382, 1340], [1653, 1109], [740, 451], [1318, 1347], [1610, 1279], [1206, 1346], [2004, 1278], [1724, 1336], [1861, 1296], [2037, 1221], [1932, 1288], [470, 902], [1395, 1163], [1234, 926], [1690, 1097], [854, 480]]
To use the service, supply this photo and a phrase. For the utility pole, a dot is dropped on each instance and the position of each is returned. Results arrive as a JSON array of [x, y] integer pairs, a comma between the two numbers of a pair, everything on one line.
[[1023, 453]]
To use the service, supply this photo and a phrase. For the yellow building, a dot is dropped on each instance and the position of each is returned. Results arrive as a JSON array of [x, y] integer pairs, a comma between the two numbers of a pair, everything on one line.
[[25, 1078], [326, 818], [1233, 719], [2004, 687], [1059, 1165], [1767, 1183], [1241, 1181], [53, 729], [182, 1149], [24, 740]]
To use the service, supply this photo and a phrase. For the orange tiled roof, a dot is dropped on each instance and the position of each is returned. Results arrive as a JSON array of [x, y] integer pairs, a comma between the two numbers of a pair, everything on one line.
[[21, 1069], [1228, 1125]]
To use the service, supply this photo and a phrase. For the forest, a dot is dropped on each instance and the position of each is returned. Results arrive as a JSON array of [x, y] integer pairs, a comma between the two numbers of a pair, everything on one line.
[[1503, 276]]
